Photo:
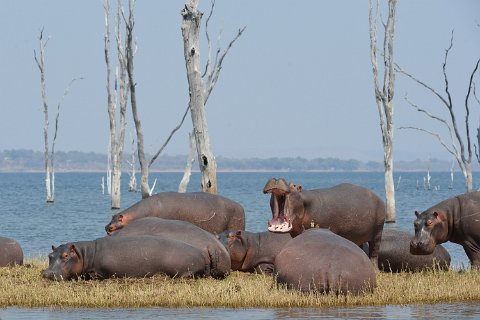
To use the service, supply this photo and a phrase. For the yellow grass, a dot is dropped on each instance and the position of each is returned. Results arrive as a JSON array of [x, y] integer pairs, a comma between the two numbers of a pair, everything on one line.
[[23, 286]]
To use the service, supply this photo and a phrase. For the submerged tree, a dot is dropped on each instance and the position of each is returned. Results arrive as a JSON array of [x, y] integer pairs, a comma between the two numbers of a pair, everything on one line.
[[460, 146], [200, 90], [384, 97], [49, 157]]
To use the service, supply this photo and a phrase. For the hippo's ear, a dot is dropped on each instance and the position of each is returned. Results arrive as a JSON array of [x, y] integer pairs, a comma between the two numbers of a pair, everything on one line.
[[238, 233], [53, 247], [299, 188], [72, 250], [435, 214], [120, 217], [417, 213]]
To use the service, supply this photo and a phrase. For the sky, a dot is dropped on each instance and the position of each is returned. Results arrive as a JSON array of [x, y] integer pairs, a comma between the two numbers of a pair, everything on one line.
[[297, 83]]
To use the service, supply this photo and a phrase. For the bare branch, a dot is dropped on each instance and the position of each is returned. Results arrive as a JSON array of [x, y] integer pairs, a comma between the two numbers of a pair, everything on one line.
[[208, 40], [467, 109], [213, 77], [65, 93], [475, 93], [450, 130], [399, 69], [433, 134], [169, 137]]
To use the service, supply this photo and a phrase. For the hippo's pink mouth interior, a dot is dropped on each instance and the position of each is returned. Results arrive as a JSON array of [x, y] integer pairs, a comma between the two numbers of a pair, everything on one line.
[[281, 221]]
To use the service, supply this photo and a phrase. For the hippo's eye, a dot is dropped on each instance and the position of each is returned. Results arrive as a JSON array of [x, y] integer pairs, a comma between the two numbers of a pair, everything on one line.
[[428, 223], [65, 255]]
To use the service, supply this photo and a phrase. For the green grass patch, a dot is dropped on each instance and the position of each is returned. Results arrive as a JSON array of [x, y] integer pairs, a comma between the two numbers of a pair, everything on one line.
[[22, 286]]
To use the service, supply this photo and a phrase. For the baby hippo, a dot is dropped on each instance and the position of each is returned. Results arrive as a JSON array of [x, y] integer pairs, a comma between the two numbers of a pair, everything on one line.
[[135, 256]]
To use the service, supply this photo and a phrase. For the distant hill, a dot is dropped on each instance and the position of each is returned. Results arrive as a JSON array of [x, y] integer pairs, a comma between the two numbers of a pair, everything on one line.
[[30, 161]]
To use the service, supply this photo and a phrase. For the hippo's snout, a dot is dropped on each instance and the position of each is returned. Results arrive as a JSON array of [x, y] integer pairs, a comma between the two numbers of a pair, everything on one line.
[[420, 248], [109, 228], [48, 274]]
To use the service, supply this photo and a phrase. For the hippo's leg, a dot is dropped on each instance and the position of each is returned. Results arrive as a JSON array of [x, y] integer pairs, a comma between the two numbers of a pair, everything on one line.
[[473, 253], [374, 247]]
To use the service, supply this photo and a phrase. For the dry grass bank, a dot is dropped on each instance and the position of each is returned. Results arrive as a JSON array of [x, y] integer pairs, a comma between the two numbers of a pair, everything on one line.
[[24, 287]]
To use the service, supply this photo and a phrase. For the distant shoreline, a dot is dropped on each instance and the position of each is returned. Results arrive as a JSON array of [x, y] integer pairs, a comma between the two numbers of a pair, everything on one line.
[[19, 160]]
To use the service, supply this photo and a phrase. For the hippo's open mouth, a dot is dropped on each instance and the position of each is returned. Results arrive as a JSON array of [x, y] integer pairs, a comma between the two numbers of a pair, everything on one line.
[[281, 221]]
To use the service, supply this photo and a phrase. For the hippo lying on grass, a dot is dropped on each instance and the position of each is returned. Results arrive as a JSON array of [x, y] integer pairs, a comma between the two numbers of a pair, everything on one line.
[[182, 231], [350, 211], [10, 252], [395, 256], [253, 251], [210, 212], [135, 256], [456, 219], [319, 260]]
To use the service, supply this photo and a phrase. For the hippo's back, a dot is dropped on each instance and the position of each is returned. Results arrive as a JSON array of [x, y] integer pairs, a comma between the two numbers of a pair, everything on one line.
[[210, 212], [319, 260], [395, 256], [10, 252]]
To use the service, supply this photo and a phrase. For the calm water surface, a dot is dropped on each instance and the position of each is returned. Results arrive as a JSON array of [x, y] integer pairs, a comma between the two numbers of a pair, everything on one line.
[[81, 211]]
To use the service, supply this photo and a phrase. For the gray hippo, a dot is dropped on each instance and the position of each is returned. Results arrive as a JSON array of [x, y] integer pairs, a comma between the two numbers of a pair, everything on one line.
[[134, 256], [351, 211], [456, 219], [182, 231], [253, 251], [10, 252], [395, 256], [319, 260], [210, 212]]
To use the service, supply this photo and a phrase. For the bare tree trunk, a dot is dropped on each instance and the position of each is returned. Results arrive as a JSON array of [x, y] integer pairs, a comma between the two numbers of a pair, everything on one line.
[[116, 145], [190, 31], [41, 66], [145, 188], [384, 97], [188, 168], [200, 91]]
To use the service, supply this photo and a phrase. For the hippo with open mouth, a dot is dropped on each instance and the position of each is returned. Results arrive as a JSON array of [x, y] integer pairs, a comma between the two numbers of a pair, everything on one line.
[[351, 211]]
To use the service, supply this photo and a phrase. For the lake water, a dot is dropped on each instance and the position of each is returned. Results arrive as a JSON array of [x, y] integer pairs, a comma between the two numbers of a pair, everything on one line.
[[81, 211]]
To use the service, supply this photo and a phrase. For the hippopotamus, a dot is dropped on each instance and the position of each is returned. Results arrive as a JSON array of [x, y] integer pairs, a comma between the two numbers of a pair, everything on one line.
[[210, 212], [395, 256], [182, 231], [456, 219], [253, 251], [10, 252], [351, 211], [133, 256], [322, 261]]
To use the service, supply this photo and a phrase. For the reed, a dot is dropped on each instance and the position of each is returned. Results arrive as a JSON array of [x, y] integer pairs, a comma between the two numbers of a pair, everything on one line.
[[22, 286]]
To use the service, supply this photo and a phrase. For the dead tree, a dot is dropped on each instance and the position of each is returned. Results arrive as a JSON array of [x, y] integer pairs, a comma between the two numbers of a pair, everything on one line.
[[49, 157], [129, 24], [384, 97], [200, 90], [460, 146], [115, 99]]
